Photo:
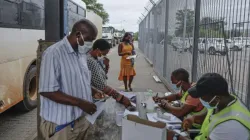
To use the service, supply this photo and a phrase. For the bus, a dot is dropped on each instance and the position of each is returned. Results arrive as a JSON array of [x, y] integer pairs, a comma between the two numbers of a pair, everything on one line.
[[21, 26]]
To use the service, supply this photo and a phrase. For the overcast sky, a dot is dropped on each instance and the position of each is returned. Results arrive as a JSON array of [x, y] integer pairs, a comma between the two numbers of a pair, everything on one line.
[[128, 10]]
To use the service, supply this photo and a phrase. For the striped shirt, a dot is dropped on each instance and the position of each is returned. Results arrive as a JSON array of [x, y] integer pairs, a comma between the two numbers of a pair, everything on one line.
[[63, 69]]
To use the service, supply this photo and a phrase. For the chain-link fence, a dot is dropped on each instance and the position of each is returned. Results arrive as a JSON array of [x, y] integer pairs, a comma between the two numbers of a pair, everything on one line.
[[167, 31]]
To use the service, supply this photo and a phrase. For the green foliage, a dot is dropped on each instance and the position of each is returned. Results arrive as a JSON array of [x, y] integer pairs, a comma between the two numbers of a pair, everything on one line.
[[212, 27], [210, 33], [180, 18], [136, 36], [98, 9]]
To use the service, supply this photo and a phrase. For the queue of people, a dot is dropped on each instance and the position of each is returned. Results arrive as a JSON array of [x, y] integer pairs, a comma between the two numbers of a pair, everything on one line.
[[71, 77]]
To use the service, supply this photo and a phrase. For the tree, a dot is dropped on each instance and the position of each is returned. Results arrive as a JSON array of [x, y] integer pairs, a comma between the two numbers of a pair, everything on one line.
[[98, 9], [212, 27], [180, 18], [212, 23], [136, 36]]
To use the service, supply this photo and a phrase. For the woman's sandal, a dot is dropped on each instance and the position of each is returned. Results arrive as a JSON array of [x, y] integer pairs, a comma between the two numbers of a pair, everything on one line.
[[130, 89]]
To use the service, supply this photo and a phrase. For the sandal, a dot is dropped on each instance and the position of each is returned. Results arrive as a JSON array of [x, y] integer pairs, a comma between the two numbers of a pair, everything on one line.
[[130, 89]]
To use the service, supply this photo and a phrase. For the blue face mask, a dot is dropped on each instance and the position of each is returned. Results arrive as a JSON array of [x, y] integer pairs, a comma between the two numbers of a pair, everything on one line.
[[207, 104], [176, 88]]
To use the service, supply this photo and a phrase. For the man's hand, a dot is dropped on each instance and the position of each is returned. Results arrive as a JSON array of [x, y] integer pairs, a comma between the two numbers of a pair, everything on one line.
[[98, 95], [87, 107], [131, 108], [157, 99], [106, 61], [170, 134], [126, 102], [187, 123], [164, 103]]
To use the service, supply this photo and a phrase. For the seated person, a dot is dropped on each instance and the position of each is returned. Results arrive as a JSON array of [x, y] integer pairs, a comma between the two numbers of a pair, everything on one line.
[[227, 117], [189, 106], [98, 75]]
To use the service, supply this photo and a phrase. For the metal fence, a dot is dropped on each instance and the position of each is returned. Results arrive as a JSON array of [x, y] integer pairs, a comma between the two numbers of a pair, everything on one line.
[[168, 28]]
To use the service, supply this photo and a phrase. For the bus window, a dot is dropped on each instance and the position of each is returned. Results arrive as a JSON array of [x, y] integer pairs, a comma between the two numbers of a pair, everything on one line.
[[81, 12], [72, 15], [8, 13], [32, 15], [72, 7]]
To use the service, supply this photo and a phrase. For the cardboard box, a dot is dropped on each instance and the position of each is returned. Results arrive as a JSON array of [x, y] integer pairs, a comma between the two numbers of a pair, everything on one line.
[[134, 128]]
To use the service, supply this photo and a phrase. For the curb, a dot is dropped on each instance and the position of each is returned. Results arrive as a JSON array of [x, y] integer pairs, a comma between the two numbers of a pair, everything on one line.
[[150, 63], [164, 81]]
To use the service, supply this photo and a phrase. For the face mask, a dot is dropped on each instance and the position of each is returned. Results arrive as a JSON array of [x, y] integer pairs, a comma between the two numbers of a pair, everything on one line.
[[87, 46], [176, 88], [207, 104]]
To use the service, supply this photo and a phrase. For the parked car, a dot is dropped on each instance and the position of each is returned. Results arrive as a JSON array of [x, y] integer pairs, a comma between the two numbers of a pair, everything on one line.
[[211, 46], [178, 44], [234, 46], [245, 41]]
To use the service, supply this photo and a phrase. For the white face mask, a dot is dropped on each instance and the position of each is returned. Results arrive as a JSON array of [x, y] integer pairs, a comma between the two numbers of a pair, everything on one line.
[[87, 45]]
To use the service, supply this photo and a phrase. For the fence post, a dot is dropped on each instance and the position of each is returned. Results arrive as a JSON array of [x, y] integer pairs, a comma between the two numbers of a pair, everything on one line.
[[196, 40], [148, 33], [155, 34], [248, 88], [165, 40]]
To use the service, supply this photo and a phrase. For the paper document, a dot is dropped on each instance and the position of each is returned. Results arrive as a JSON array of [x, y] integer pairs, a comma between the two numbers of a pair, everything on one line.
[[174, 123], [184, 134], [100, 107], [133, 104], [132, 56], [127, 112]]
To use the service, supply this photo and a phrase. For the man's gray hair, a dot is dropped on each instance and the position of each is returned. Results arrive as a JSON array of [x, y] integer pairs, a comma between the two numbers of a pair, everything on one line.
[[90, 27]]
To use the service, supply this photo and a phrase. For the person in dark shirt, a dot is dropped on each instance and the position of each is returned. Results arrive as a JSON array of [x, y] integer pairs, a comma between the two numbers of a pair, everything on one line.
[[98, 74]]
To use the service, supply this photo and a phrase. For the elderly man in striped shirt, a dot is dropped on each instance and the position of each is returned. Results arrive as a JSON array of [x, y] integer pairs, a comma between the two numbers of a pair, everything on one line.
[[65, 86]]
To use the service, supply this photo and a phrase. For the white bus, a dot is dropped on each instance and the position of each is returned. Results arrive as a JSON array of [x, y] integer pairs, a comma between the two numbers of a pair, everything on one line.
[[21, 26]]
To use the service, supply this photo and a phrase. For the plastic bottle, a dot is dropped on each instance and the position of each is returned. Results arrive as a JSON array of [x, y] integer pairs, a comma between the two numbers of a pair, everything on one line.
[[150, 102]]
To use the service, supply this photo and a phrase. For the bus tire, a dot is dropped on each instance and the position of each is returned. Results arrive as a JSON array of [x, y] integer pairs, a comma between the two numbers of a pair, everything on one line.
[[30, 91]]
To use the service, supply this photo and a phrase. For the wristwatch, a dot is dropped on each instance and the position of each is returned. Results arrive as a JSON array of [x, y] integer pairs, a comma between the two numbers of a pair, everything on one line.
[[176, 136]]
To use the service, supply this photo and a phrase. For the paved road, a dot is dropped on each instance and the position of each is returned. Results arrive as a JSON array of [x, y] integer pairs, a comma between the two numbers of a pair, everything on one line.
[[22, 126], [17, 125]]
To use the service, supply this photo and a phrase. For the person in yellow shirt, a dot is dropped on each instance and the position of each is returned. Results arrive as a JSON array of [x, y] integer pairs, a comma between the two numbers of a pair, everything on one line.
[[127, 71]]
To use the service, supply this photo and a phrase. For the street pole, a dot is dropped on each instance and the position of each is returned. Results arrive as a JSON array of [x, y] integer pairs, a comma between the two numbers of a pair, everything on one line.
[[184, 31], [122, 24], [166, 39], [196, 40]]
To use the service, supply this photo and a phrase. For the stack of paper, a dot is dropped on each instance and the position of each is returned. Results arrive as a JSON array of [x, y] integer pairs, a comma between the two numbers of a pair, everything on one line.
[[173, 123], [127, 112], [100, 107], [132, 56]]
